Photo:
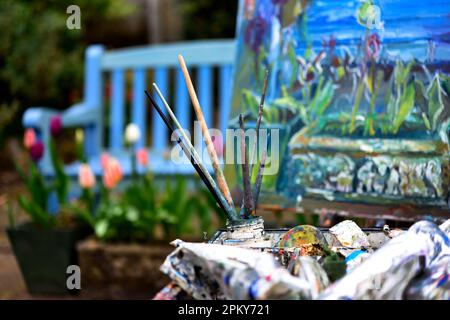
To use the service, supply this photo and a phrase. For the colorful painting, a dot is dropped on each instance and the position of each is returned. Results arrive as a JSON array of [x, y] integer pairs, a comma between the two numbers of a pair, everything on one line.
[[360, 91]]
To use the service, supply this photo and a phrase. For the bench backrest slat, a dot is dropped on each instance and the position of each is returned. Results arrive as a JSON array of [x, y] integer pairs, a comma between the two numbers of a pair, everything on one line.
[[224, 97], [159, 128], [93, 86], [204, 89], [117, 110], [182, 101], [139, 113]]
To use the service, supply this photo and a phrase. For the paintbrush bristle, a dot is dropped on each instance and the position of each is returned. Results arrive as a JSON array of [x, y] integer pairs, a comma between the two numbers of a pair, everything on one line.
[[248, 197]]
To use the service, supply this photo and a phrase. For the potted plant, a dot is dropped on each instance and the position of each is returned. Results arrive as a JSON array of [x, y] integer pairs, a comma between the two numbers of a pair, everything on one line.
[[44, 246]]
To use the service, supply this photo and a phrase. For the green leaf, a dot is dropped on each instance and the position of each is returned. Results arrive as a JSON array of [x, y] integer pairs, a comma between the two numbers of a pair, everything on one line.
[[62, 180], [293, 62], [37, 214], [322, 98], [101, 228], [420, 98], [426, 121], [358, 97], [81, 213], [402, 72], [370, 118], [435, 102], [405, 107]]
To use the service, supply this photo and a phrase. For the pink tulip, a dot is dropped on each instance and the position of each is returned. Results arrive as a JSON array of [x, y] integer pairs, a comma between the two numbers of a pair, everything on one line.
[[29, 138], [142, 157], [86, 178], [104, 159], [112, 174]]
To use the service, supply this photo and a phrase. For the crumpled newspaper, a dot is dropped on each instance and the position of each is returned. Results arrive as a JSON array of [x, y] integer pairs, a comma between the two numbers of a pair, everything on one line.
[[446, 227], [350, 235], [434, 284], [414, 264], [212, 271], [351, 242], [388, 271]]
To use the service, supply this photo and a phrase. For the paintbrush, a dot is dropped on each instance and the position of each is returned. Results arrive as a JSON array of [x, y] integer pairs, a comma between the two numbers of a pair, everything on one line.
[[248, 208], [187, 141], [257, 186], [209, 144], [258, 122], [217, 196], [258, 181]]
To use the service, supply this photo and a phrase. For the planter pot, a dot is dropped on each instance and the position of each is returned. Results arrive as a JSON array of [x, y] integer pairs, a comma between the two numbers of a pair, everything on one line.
[[122, 271], [44, 255]]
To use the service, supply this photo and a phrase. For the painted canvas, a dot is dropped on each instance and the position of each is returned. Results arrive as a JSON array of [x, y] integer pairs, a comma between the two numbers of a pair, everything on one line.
[[359, 91]]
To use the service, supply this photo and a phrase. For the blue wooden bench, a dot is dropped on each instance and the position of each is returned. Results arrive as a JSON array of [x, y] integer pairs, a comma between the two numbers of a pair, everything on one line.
[[210, 61]]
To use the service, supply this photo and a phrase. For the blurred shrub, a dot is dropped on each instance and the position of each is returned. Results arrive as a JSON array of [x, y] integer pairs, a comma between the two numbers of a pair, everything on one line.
[[206, 19], [41, 61]]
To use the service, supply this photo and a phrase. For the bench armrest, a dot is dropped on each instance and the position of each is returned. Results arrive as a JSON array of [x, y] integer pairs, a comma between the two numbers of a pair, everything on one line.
[[37, 117], [80, 115]]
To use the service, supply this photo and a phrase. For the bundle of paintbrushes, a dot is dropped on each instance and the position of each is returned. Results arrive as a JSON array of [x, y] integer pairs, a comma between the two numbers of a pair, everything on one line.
[[246, 225]]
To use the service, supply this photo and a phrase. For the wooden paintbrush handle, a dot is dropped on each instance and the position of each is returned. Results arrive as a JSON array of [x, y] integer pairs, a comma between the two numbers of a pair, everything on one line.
[[221, 182], [248, 197]]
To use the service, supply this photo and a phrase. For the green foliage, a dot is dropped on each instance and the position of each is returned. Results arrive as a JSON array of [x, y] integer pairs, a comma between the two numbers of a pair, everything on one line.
[[137, 213], [7, 114], [322, 99], [277, 111], [41, 60], [370, 126], [119, 221], [434, 102], [405, 106], [176, 208], [61, 182], [438, 102], [213, 19], [311, 109], [36, 204]]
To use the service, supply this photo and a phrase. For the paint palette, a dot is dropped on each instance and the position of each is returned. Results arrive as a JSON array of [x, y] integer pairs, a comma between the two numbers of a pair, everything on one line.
[[274, 237]]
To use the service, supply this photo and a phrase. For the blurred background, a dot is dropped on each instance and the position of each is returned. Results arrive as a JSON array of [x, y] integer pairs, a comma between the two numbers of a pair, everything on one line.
[[41, 64]]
